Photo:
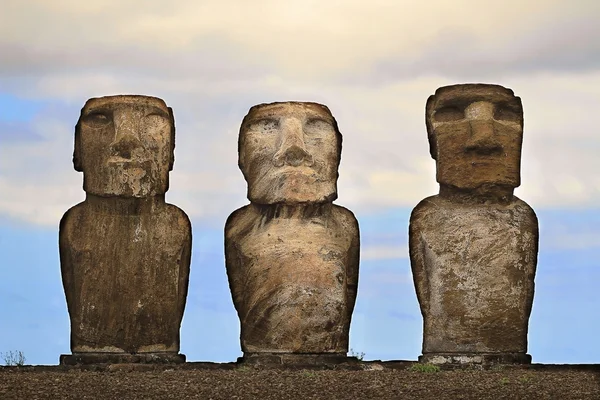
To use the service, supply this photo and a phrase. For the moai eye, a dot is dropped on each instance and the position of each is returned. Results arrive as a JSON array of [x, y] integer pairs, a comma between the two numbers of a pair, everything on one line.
[[318, 125], [98, 119], [504, 112], [448, 114], [263, 125], [156, 119]]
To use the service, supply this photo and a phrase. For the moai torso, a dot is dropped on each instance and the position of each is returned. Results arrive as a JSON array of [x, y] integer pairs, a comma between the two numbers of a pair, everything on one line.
[[125, 253], [473, 247], [478, 264], [292, 255], [293, 278], [126, 277]]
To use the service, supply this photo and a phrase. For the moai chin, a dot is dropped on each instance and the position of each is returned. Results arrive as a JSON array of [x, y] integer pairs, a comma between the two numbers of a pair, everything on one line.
[[473, 247], [124, 252], [291, 255]]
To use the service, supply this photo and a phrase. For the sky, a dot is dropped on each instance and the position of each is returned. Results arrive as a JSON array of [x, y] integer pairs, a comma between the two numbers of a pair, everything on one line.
[[373, 64]]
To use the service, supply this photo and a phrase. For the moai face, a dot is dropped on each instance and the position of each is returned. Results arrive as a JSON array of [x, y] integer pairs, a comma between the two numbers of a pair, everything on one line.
[[290, 153], [475, 135], [124, 146]]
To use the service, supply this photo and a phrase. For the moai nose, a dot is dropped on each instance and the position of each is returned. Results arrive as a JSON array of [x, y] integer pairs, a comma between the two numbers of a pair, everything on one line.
[[126, 136], [292, 150], [483, 138], [125, 146]]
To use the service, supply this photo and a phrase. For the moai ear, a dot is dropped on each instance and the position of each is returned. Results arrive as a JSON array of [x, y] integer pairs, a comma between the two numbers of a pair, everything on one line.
[[241, 158], [172, 155], [338, 136], [77, 163], [242, 139], [429, 125]]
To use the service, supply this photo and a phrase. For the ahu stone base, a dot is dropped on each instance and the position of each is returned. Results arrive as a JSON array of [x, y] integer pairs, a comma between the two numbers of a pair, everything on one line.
[[121, 358], [295, 359], [475, 358]]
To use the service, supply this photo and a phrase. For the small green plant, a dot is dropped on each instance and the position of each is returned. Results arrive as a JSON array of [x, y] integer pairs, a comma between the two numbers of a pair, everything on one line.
[[524, 379], [504, 380], [243, 368], [309, 374], [358, 355], [429, 368], [14, 358]]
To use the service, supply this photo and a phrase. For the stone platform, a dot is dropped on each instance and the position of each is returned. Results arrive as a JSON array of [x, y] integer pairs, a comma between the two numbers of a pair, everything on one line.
[[121, 358], [475, 358], [273, 359]]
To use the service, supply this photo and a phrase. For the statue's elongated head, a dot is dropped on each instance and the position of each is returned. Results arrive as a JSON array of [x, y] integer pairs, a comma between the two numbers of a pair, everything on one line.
[[475, 135], [124, 146], [289, 153]]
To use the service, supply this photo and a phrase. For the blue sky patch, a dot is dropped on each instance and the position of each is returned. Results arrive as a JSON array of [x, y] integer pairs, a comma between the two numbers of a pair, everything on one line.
[[15, 109]]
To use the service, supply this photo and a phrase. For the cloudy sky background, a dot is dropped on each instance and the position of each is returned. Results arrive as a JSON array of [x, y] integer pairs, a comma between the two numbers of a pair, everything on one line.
[[374, 64]]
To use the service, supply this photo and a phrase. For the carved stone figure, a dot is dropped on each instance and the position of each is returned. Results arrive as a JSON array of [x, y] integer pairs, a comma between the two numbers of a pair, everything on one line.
[[291, 255], [124, 252], [473, 247]]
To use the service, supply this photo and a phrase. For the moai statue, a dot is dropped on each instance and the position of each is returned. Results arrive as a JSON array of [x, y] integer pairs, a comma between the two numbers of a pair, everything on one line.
[[473, 247], [124, 252], [291, 255]]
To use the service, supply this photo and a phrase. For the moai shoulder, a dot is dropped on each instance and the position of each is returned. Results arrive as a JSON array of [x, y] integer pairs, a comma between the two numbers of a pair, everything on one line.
[[125, 253], [252, 217], [473, 248], [291, 255]]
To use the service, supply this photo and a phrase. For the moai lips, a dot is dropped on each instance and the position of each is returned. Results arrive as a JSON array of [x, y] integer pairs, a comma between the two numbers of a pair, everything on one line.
[[473, 247], [291, 255], [125, 253]]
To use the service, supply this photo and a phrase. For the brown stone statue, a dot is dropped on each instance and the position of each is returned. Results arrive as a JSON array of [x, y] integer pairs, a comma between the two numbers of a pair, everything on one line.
[[124, 252], [291, 255], [473, 247]]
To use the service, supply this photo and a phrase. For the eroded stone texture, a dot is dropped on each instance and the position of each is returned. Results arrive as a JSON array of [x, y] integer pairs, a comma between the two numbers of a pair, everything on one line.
[[124, 252], [291, 255], [473, 247]]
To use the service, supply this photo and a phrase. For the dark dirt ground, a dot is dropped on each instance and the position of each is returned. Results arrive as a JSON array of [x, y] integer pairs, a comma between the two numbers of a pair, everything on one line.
[[370, 380]]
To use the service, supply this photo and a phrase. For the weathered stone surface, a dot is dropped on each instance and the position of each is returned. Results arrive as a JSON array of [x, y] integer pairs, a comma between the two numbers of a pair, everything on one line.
[[289, 153], [291, 255], [124, 146], [124, 252], [121, 358], [485, 359], [298, 360], [473, 247]]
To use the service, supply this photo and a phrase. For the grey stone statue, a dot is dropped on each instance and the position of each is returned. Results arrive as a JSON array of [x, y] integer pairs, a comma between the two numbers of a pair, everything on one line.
[[291, 255], [473, 247], [124, 252]]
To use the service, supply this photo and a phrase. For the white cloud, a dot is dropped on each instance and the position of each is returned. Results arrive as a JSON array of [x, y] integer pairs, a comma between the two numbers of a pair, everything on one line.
[[383, 252], [300, 40], [211, 61]]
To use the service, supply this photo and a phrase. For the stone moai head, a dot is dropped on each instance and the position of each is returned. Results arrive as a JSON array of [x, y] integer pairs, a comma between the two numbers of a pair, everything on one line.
[[124, 146], [475, 134], [289, 153]]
